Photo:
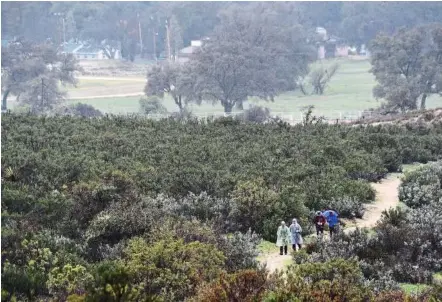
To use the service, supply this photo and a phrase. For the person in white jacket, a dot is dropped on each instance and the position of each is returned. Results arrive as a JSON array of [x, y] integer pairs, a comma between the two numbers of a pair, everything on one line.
[[283, 238], [296, 234]]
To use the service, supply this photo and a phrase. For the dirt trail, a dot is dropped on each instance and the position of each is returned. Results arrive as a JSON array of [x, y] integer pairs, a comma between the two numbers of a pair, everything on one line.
[[107, 87], [105, 96], [275, 261], [111, 78], [386, 197]]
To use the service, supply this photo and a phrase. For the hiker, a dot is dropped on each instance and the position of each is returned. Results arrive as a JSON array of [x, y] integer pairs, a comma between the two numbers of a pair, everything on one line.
[[283, 236], [295, 231], [332, 220], [319, 222]]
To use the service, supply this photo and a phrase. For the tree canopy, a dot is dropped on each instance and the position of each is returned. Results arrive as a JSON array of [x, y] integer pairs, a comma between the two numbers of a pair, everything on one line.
[[356, 22], [32, 73], [408, 66], [175, 79], [252, 53]]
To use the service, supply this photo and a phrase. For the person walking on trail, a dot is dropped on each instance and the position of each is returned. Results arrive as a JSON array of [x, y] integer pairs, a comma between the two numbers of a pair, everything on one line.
[[319, 222], [295, 232], [283, 238], [332, 220]]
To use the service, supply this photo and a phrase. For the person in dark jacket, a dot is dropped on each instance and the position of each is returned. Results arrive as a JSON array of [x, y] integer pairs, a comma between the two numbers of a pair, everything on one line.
[[332, 220], [319, 222]]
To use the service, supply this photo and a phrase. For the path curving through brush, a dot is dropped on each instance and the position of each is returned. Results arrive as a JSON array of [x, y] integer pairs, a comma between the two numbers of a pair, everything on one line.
[[387, 196]]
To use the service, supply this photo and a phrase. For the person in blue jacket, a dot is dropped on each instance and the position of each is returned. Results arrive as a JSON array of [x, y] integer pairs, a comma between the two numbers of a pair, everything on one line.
[[332, 220]]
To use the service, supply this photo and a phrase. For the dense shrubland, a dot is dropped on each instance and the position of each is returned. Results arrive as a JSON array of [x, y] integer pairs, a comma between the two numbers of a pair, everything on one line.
[[130, 209], [423, 186], [405, 247], [406, 244], [333, 280]]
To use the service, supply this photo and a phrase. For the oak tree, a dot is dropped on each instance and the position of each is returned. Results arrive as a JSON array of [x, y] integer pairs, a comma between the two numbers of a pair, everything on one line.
[[174, 79], [32, 73], [408, 66], [253, 53]]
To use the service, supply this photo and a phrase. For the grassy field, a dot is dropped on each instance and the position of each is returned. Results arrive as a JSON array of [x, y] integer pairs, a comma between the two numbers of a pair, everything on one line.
[[412, 167], [413, 288], [267, 247], [349, 92], [437, 278]]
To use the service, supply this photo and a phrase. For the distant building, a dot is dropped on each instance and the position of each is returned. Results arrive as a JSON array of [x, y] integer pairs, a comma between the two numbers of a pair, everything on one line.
[[321, 32], [364, 51], [86, 51], [330, 46], [186, 53]]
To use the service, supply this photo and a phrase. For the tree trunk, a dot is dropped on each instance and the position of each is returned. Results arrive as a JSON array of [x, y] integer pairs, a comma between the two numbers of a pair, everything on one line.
[[179, 103], [109, 53], [227, 107], [423, 101], [4, 101], [301, 86]]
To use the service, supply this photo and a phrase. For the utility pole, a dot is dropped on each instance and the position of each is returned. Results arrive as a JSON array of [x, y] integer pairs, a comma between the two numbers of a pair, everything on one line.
[[154, 35], [42, 92], [139, 31], [155, 45], [168, 41], [64, 29]]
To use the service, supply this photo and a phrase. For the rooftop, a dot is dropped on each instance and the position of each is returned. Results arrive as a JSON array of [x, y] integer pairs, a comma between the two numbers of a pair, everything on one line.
[[80, 48], [188, 50]]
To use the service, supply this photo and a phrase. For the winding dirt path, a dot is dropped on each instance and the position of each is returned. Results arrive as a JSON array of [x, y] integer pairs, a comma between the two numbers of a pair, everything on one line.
[[387, 196], [275, 261], [387, 191]]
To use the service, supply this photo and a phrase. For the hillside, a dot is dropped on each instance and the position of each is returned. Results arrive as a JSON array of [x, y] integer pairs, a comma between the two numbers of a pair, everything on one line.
[[142, 197]]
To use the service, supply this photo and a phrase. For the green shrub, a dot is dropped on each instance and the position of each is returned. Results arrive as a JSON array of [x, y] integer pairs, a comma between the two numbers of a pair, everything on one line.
[[335, 280], [253, 203], [256, 114], [203, 207], [80, 109], [246, 285], [27, 275], [240, 249], [68, 280], [422, 186], [170, 268], [112, 281], [152, 105]]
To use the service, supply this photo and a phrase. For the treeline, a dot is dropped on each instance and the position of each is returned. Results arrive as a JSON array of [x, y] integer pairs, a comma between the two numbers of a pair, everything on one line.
[[130, 209], [118, 23], [254, 50]]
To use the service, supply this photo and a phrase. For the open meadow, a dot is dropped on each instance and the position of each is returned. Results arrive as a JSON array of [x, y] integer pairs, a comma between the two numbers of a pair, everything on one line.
[[348, 93]]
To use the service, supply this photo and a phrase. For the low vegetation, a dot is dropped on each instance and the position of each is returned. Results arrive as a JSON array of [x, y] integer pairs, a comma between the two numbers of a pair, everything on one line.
[[127, 208], [422, 186], [108, 208]]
